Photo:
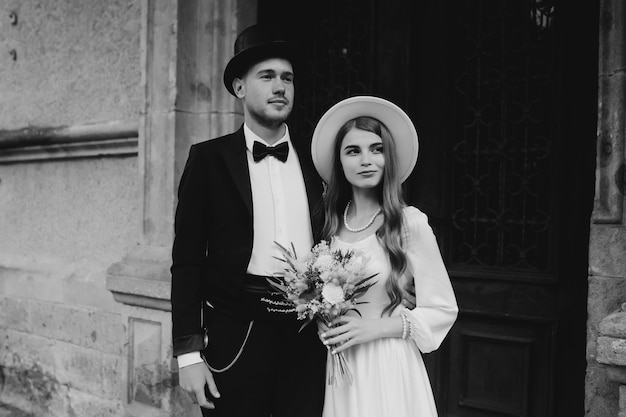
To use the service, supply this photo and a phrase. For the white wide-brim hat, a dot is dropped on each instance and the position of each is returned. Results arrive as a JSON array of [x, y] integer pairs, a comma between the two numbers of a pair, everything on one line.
[[397, 121]]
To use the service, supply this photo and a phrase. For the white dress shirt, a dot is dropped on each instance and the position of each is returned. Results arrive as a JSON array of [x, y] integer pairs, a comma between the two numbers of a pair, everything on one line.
[[280, 207], [280, 213]]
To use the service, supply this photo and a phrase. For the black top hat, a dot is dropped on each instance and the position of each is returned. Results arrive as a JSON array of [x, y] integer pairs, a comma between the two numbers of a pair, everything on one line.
[[254, 44]]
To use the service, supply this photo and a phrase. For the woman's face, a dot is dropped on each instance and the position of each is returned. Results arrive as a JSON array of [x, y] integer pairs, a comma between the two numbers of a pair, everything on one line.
[[362, 159]]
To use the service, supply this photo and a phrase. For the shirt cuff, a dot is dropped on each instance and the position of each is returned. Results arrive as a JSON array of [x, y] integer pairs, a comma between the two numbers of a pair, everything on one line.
[[187, 359]]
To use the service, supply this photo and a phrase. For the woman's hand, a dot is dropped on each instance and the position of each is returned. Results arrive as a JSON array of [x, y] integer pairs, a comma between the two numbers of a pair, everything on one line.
[[321, 329], [350, 331]]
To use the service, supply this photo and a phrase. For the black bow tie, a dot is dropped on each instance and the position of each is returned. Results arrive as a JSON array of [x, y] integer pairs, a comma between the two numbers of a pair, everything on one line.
[[280, 151]]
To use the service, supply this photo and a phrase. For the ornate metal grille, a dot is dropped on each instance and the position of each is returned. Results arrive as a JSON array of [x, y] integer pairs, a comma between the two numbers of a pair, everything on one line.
[[338, 52], [504, 119]]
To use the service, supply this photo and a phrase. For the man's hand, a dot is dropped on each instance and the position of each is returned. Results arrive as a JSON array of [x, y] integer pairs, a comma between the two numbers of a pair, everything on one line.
[[407, 288], [192, 380]]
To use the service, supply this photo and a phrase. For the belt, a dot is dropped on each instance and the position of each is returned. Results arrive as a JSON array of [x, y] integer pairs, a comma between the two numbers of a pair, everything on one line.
[[263, 300], [257, 284]]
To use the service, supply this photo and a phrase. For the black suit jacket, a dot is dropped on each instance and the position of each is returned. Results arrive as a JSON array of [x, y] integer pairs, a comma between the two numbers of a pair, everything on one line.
[[214, 231]]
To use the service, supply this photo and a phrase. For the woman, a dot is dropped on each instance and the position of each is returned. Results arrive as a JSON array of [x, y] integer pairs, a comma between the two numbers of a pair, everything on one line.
[[364, 148]]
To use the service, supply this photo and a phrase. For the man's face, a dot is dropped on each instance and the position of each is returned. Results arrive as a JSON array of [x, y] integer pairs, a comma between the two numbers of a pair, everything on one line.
[[267, 91]]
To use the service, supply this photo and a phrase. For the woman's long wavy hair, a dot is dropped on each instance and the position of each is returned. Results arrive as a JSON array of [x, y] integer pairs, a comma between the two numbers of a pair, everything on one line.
[[339, 192]]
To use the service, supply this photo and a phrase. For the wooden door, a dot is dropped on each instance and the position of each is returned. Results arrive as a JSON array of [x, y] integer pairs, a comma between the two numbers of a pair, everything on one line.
[[503, 93]]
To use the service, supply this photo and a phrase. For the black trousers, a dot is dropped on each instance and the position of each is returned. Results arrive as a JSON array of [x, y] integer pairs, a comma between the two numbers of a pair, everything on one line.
[[279, 373]]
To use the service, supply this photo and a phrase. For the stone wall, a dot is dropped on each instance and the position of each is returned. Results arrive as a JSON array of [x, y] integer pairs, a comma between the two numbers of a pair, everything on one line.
[[75, 62], [607, 246], [64, 217], [100, 103]]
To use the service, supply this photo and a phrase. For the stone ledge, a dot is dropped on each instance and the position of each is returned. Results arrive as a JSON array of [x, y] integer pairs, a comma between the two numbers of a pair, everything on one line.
[[142, 278], [135, 292], [114, 138], [121, 147]]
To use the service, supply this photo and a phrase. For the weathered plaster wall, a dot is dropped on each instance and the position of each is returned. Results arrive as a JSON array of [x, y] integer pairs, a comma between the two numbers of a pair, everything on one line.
[[76, 61], [64, 222], [74, 211]]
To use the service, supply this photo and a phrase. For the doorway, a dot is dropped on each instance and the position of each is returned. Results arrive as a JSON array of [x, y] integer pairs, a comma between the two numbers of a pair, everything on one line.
[[504, 97]]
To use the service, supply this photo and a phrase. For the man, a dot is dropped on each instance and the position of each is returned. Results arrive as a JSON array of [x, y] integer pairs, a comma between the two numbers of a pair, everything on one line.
[[240, 193]]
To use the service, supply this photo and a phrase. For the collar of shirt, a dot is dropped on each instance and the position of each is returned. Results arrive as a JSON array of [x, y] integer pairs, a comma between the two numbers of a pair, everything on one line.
[[280, 209], [251, 137]]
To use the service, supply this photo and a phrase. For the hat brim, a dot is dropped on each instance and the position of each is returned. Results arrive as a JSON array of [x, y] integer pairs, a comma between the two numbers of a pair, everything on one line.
[[248, 57], [397, 121]]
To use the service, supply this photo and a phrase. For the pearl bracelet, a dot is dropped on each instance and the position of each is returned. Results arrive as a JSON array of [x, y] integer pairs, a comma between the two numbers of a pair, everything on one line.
[[405, 325]]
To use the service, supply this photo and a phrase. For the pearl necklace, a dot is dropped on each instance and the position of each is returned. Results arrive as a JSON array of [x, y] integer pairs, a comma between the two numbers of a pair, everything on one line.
[[360, 229]]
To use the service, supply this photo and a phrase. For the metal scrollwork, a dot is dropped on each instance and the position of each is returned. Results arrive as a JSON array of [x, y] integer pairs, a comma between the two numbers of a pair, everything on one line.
[[503, 130]]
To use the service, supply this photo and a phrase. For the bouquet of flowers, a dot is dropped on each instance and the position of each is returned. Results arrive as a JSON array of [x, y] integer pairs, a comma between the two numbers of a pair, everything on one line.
[[324, 284]]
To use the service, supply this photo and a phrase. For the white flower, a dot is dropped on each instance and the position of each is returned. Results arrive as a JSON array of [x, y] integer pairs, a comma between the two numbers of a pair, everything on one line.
[[321, 247], [323, 261], [356, 265], [325, 276], [332, 293]]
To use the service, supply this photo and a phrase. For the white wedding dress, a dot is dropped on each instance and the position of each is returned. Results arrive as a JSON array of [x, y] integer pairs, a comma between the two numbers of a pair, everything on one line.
[[390, 379]]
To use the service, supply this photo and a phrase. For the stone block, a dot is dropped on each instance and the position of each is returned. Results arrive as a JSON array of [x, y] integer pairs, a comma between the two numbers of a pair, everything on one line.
[[107, 332], [601, 395], [84, 404], [55, 321], [84, 327], [99, 224], [14, 314], [617, 374], [614, 325], [9, 411], [141, 410], [612, 39], [146, 371], [605, 296], [164, 320], [607, 251], [86, 287], [611, 351], [41, 283], [102, 63], [113, 377], [30, 387], [55, 405], [78, 367], [22, 350]]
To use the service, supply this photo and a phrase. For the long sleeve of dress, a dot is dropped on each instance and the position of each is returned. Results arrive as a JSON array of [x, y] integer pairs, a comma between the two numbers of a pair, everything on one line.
[[436, 308]]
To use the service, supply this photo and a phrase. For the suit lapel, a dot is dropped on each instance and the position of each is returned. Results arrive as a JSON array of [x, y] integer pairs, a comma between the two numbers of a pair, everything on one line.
[[312, 181], [237, 165]]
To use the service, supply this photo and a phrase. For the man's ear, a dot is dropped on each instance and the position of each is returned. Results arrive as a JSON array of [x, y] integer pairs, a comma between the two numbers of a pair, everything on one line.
[[239, 88]]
